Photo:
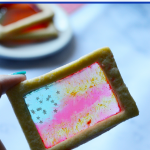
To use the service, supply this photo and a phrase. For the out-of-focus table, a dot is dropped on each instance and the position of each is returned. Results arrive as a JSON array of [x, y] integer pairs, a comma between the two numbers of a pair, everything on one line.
[[125, 28]]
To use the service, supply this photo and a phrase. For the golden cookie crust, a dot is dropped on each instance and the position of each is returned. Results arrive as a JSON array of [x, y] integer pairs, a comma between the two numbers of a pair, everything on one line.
[[41, 34], [45, 14], [106, 60]]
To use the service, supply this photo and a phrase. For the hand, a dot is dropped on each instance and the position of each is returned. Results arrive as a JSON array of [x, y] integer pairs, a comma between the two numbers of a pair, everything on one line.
[[7, 82]]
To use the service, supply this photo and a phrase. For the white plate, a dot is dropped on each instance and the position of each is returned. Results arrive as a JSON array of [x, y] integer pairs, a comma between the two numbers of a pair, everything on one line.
[[37, 50]]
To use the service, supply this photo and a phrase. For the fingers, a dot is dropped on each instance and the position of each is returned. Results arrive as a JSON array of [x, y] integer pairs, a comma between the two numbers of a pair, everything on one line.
[[8, 81], [2, 146]]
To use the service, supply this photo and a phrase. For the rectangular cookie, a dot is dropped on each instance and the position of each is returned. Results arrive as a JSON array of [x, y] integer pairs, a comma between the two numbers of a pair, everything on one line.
[[72, 104], [25, 15]]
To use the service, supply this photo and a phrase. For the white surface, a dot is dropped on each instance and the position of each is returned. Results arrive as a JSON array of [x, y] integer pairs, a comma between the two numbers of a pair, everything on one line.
[[31, 51], [125, 29]]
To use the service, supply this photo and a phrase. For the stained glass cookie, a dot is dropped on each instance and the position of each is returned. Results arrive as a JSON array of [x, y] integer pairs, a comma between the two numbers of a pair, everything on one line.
[[74, 103], [16, 17], [29, 36]]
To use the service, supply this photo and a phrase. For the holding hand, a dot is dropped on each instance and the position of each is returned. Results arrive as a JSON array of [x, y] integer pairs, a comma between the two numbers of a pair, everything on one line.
[[7, 82]]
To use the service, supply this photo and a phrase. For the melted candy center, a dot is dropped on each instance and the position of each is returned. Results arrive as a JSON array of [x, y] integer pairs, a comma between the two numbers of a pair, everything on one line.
[[66, 107], [10, 13]]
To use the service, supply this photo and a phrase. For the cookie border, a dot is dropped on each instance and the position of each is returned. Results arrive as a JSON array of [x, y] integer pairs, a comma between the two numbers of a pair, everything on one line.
[[41, 34], [106, 60]]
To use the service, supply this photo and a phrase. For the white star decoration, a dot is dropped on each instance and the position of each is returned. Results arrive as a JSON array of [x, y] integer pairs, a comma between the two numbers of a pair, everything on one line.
[[42, 109]]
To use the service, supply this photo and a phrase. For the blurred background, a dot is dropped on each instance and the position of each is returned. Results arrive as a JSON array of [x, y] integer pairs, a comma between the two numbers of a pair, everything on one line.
[[125, 28]]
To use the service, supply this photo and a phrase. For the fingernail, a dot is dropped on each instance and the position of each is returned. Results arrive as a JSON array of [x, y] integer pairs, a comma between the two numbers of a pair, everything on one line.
[[20, 72]]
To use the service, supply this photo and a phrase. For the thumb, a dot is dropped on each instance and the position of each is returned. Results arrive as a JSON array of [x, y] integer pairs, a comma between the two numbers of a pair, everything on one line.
[[8, 81]]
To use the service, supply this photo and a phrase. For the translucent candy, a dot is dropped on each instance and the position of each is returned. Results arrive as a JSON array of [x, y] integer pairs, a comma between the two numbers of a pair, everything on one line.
[[62, 109], [10, 13]]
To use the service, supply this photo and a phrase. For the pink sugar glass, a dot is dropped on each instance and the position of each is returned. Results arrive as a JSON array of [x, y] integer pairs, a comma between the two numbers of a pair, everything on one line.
[[83, 99]]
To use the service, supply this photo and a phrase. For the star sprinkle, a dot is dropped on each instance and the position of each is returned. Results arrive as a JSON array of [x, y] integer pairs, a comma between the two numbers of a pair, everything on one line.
[[55, 104], [38, 109], [55, 110], [37, 98], [33, 111], [58, 92], [44, 112], [52, 101], [47, 99], [38, 117], [41, 121], [49, 96], [41, 101]]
